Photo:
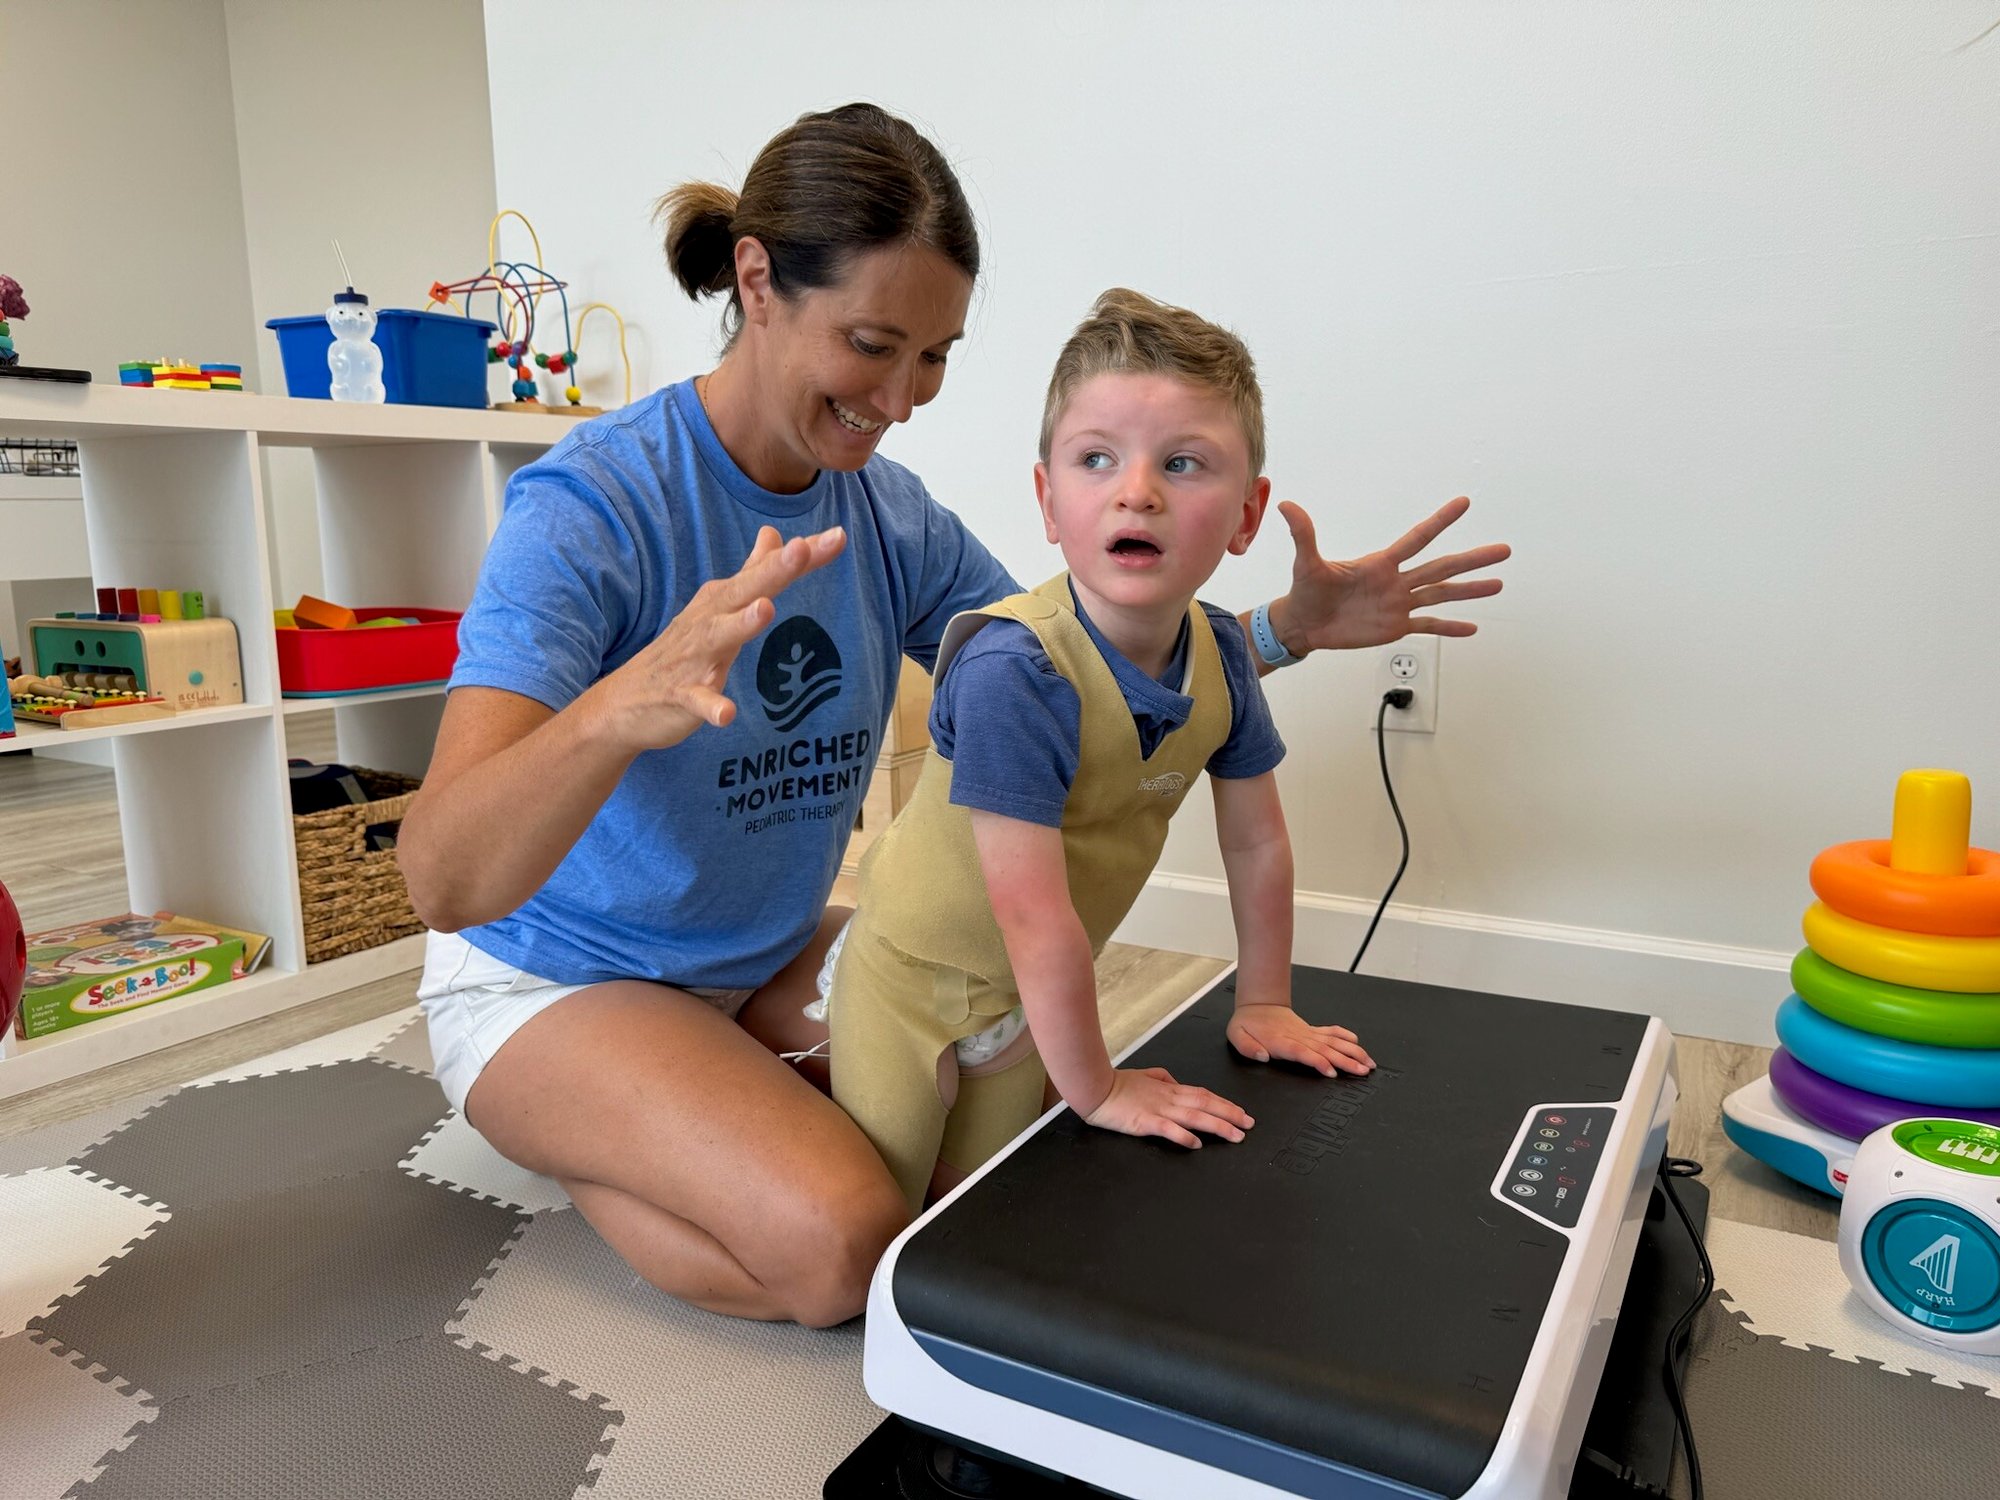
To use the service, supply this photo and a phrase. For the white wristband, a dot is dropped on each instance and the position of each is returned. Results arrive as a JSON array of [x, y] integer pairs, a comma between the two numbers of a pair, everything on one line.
[[1268, 645]]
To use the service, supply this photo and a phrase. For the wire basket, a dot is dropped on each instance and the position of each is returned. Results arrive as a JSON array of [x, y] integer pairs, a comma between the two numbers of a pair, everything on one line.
[[40, 457]]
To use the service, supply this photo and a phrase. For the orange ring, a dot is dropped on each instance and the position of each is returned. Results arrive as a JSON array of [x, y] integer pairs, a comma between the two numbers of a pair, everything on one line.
[[1855, 880]]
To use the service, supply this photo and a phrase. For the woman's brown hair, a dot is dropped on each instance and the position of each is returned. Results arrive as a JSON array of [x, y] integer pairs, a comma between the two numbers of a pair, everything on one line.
[[826, 188]]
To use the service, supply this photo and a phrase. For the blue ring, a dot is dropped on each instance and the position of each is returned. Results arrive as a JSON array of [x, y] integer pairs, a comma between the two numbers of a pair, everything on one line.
[[1956, 1076]]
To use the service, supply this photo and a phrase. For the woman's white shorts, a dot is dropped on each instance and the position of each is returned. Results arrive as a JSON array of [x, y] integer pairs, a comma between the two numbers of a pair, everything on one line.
[[474, 1002]]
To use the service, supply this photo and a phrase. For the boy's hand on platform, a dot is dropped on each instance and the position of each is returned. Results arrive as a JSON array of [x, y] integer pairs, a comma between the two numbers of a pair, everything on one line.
[[1264, 1032], [1374, 600], [1147, 1101]]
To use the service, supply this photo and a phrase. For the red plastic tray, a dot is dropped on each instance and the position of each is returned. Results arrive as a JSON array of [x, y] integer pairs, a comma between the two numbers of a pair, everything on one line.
[[323, 663]]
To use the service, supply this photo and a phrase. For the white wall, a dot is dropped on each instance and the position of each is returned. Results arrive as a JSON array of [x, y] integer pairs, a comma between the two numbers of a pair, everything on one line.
[[127, 237], [135, 240], [1701, 304], [399, 170]]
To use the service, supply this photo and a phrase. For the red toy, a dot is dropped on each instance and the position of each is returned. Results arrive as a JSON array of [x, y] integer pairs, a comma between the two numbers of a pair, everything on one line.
[[369, 658], [13, 958]]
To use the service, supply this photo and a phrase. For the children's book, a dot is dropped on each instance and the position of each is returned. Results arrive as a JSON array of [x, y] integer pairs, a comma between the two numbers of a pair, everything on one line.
[[101, 968]]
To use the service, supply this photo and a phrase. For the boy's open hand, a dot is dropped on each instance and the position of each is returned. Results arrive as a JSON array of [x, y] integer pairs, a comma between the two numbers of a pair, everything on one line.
[[1262, 1032], [1374, 599], [1147, 1101]]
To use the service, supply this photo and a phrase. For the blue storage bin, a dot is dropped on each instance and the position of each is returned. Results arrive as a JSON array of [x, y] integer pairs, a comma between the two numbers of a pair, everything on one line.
[[428, 359]]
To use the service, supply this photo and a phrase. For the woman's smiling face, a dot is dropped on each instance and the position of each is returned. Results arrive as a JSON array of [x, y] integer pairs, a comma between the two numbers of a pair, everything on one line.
[[840, 363]]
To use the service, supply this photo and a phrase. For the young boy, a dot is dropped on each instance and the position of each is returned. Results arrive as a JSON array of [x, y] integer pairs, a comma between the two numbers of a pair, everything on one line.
[[1068, 724]]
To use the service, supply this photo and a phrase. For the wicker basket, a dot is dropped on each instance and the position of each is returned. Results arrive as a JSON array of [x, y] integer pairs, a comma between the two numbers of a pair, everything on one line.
[[353, 896]]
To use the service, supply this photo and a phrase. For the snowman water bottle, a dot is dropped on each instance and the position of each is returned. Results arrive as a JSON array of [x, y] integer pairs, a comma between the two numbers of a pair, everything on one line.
[[352, 360]]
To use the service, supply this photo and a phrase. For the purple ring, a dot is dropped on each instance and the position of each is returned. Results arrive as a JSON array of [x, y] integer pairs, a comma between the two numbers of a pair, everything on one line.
[[1851, 1112]]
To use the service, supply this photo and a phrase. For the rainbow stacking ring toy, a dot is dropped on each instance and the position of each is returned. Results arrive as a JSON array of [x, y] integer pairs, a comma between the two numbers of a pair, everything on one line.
[[1958, 1077], [1850, 1113], [1896, 1010]]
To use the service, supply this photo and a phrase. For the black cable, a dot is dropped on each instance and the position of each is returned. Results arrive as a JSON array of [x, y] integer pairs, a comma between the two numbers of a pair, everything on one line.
[[1396, 698], [1670, 1168]]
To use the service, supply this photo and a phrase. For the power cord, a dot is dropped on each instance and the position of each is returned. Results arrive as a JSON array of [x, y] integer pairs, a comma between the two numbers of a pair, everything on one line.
[[1395, 698], [1670, 1168], [1626, 1479]]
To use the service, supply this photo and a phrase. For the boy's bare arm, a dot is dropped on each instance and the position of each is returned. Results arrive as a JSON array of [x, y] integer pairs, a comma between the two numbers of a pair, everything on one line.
[[1027, 881], [1257, 857]]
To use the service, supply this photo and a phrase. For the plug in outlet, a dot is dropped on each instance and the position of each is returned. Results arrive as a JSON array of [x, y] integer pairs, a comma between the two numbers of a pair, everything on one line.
[[1410, 663]]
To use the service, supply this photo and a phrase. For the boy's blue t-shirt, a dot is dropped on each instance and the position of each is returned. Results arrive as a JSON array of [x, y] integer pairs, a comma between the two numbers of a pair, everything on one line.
[[711, 862], [1002, 676]]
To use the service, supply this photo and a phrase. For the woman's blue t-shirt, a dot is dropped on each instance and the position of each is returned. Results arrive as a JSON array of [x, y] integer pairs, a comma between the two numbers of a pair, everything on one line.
[[711, 861]]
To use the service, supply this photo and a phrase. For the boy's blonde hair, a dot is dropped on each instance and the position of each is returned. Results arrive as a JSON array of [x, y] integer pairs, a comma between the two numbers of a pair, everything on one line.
[[1128, 333]]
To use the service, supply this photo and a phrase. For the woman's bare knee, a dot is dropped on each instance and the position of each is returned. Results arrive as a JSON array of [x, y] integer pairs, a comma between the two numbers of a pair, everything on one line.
[[839, 1239]]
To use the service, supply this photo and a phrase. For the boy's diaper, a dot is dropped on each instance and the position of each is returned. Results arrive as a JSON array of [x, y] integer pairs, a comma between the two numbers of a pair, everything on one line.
[[980, 1047]]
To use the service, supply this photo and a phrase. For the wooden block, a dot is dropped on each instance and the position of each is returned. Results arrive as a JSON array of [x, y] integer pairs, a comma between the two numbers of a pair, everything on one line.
[[316, 614], [909, 720]]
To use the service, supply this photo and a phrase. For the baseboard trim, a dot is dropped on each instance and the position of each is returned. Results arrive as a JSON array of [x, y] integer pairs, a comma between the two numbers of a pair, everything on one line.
[[1698, 989]]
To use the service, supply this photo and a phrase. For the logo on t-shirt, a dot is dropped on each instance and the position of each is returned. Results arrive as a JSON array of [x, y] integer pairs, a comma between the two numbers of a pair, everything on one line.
[[798, 670]]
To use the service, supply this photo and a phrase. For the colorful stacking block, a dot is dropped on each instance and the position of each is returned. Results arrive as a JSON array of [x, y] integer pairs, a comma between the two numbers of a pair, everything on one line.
[[1896, 1006]]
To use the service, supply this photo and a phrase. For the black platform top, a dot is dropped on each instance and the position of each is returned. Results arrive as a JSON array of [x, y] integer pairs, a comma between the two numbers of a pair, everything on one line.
[[1341, 1282]]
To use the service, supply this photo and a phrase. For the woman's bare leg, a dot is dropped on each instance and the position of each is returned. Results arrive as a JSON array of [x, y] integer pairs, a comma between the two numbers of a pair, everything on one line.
[[776, 1016], [715, 1170]]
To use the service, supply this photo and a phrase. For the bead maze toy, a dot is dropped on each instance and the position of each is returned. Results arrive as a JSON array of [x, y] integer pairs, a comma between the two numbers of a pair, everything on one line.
[[1895, 1010], [517, 288]]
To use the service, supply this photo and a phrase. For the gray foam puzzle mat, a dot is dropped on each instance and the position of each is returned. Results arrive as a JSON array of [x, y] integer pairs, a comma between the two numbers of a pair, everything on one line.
[[306, 1276]]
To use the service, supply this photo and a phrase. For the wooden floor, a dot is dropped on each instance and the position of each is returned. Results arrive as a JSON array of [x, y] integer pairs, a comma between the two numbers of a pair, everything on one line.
[[62, 857]]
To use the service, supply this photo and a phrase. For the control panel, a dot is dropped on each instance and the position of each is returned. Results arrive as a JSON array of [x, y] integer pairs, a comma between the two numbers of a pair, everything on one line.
[[1551, 1172]]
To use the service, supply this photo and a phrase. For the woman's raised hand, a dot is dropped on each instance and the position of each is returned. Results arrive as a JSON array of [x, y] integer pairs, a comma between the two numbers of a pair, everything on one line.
[[675, 685]]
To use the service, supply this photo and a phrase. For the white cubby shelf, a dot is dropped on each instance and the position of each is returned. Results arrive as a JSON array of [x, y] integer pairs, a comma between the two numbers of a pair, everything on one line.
[[173, 496]]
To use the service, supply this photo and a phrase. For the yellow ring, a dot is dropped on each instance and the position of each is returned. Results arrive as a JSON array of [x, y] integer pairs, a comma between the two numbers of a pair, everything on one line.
[[1963, 965]]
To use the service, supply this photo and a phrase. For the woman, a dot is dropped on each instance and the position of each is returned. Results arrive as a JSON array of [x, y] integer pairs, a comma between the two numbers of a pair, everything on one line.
[[628, 833]]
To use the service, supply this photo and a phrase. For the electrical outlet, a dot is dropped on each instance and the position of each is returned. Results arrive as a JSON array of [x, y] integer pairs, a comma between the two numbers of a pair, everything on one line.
[[1410, 663]]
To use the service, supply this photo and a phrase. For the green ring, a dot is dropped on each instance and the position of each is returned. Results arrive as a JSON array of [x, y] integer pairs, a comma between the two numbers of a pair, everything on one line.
[[1938, 1018]]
